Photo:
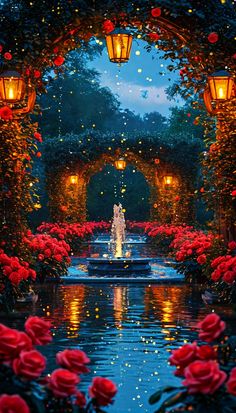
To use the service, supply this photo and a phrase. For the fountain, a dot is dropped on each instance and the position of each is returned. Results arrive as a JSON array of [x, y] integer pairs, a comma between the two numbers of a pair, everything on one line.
[[118, 262]]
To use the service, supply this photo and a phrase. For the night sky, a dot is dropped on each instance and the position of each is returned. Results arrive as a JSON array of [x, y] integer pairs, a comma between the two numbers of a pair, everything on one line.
[[139, 84]]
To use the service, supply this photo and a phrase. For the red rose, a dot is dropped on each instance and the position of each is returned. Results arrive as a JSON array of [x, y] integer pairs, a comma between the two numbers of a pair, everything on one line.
[[38, 330], [13, 404], [229, 277], [213, 37], [206, 353], [38, 136], [108, 26], [153, 37], [231, 383], [156, 12], [6, 113], [203, 377], [232, 245], [37, 74], [73, 360], [182, 357], [29, 365], [102, 390], [233, 193], [59, 60], [80, 399], [12, 343], [201, 259], [58, 257], [63, 383], [8, 56], [38, 154], [211, 327], [40, 257]]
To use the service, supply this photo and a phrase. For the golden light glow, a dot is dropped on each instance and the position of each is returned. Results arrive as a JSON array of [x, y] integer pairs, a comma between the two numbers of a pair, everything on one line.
[[120, 164], [220, 85], [119, 43], [168, 180], [73, 179], [12, 87]]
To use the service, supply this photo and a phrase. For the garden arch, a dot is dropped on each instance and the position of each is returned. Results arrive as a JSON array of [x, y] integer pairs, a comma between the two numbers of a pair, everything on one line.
[[68, 189]]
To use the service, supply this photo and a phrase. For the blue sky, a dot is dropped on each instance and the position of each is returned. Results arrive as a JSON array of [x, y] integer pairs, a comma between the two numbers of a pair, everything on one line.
[[138, 84]]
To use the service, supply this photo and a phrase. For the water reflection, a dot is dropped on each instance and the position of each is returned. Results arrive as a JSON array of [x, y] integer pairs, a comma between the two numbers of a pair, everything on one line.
[[128, 332]]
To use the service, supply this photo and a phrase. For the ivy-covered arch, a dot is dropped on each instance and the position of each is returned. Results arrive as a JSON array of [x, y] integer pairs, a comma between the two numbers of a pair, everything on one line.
[[69, 171]]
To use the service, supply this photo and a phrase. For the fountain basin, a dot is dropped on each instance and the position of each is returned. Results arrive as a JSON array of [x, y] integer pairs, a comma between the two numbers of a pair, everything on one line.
[[118, 266]]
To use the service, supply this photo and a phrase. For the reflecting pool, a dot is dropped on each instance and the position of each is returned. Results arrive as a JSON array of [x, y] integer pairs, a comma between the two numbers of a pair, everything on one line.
[[128, 332]]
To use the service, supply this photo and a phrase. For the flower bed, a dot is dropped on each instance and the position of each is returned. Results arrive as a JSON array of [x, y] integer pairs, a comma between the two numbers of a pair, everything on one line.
[[208, 372], [24, 389]]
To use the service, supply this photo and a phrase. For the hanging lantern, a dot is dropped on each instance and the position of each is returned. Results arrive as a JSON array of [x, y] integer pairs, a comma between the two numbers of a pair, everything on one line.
[[220, 85], [168, 180], [73, 179], [12, 87], [119, 44], [120, 164]]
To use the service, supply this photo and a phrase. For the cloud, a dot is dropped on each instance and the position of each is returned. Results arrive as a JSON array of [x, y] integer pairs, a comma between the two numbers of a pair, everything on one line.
[[138, 97]]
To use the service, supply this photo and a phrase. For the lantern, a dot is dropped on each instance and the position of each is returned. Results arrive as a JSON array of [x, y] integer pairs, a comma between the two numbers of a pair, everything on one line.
[[73, 179], [168, 180], [119, 43], [12, 87], [220, 85], [120, 164]]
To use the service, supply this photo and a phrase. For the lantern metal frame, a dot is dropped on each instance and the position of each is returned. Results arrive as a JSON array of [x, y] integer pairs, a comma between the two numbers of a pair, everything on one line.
[[118, 50], [12, 82], [211, 95]]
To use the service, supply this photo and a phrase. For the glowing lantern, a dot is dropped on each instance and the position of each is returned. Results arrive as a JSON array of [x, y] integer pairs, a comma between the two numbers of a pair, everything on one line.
[[220, 85], [119, 44], [120, 164], [73, 179], [12, 87], [168, 180]]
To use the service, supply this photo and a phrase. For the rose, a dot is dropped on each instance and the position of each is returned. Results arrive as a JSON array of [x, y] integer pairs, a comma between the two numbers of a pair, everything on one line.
[[59, 60], [211, 327], [8, 56], [38, 330], [182, 357], [206, 353], [12, 343], [6, 113], [156, 12], [201, 259], [203, 377], [233, 193], [80, 399], [153, 37], [63, 383], [232, 245], [73, 360], [29, 365], [108, 26], [38, 136], [102, 390], [231, 383], [229, 277], [213, 37], [13, 404]]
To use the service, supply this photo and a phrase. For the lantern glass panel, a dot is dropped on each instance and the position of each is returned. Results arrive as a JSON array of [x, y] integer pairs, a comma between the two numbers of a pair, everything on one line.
[[120, 164], [221, 86], [12, 87], [73, 179], [168, 180], [119, 47]]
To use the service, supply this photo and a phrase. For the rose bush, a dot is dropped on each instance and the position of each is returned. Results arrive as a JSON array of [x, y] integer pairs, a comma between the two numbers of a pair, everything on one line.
[[207, 371], [24, 389]]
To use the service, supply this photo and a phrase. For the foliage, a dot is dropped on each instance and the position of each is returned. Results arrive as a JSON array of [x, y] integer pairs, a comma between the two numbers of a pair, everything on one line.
[[209, 372], [21, 375]]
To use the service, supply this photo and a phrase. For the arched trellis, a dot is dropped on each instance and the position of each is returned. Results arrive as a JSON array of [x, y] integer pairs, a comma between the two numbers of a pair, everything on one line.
[[68, 193]]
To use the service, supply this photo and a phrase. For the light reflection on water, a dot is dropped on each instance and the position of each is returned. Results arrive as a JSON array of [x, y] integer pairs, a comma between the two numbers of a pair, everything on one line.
[[128, 332]]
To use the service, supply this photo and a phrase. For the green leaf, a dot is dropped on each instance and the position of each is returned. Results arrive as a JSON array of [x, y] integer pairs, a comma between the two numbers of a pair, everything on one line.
[[154, 398]]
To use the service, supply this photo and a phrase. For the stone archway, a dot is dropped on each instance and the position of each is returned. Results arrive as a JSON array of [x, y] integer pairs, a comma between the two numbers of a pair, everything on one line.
[[69, 193]]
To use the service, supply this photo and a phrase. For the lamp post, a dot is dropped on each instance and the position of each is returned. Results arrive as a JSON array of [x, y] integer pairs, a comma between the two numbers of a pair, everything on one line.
[[120, 164], [119, 43]]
